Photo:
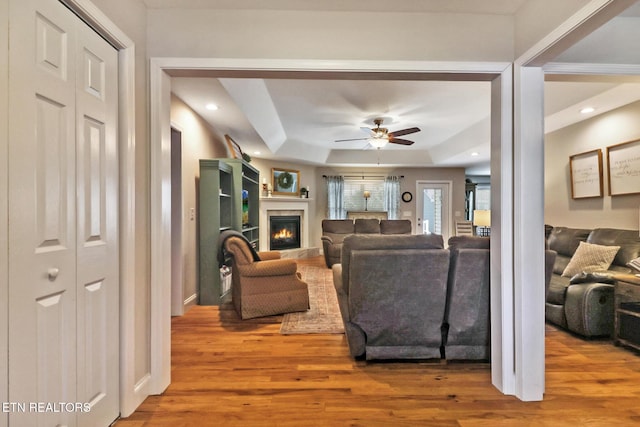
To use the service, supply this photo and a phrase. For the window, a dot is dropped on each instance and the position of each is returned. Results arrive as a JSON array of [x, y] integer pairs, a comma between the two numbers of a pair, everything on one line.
[[483, 197], [354, 195]]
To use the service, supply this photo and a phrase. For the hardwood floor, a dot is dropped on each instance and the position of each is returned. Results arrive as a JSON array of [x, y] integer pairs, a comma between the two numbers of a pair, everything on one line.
[[228, 372]]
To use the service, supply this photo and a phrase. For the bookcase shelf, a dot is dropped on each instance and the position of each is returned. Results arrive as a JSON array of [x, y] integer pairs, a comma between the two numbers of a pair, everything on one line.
[[222, 182]]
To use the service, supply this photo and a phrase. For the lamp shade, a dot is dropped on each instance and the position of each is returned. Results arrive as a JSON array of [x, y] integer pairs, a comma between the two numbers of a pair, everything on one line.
[[367, 194], [482, 218]]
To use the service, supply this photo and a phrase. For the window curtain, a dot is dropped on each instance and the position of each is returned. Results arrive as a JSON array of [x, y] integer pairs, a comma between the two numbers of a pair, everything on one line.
[[335, 197], [392, 196]]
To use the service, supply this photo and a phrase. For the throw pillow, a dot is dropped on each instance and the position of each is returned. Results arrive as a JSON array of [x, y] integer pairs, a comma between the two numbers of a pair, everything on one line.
[[589, 258]]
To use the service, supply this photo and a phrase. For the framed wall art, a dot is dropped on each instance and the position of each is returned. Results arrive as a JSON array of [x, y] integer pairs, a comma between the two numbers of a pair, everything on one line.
[[586, 174], [235, 152], [623, 161], [285, 182]]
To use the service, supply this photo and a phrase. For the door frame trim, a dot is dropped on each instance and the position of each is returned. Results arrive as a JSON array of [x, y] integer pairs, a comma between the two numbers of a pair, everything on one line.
[[160, 69], [4, 211]]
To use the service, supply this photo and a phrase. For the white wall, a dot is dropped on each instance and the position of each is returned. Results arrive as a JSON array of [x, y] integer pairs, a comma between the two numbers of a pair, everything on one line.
[[614, 127], [329, 35], [308, 178], [198, 142], [537, 18]]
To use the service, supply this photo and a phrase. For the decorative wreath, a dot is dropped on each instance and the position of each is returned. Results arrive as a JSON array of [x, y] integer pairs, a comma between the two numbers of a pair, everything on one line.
[[285, 180]]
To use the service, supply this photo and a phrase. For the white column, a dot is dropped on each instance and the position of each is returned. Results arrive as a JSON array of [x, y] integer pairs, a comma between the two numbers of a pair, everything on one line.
[[517, 233], [528, 231], [502, 338]]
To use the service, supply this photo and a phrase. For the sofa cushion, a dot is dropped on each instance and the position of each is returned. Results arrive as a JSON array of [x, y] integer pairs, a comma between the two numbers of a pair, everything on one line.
[[469, 242], [557, 289], [367, 226], [560, 264], [628, 240], [337, 226], [565, 240], [385, 242], [395, 226], [589, 258]]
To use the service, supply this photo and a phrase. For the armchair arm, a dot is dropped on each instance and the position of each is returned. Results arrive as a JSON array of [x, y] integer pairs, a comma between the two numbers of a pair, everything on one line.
[[275, 267], [593, 278], [267, 255], [337, 278], [326, 239]]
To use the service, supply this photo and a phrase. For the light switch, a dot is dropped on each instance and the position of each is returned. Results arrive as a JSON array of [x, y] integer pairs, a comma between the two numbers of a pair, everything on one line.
[[192, 214], [407, 214]]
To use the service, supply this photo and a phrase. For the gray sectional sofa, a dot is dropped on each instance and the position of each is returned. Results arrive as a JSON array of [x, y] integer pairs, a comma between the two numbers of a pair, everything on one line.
[[583, 303], [407, 297], [334, 232]]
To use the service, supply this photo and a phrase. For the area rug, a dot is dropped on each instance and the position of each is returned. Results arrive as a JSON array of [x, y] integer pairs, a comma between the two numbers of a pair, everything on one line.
[[323, 316]]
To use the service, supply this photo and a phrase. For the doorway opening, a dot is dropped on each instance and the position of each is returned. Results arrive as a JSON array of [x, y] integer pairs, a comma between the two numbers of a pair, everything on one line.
[[177, 287], [433, 208]]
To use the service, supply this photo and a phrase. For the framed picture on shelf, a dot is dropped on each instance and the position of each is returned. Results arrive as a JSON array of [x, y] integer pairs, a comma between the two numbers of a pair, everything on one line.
[[235, 152], [623, 161], [586, 174], [285, 182]]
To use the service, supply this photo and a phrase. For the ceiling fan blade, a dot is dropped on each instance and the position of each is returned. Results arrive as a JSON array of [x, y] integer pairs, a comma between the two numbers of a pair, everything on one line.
[[352, 139], [404, 132], [400, 141]]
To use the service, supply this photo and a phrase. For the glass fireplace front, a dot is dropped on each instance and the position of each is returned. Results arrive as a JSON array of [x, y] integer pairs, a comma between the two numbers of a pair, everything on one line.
[[284, 232]]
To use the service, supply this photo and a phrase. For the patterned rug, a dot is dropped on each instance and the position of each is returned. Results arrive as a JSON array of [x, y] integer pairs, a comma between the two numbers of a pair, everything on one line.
[[323, 316]]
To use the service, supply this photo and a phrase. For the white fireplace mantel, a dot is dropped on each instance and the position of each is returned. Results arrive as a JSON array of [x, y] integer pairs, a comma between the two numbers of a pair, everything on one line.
[[268, 204]]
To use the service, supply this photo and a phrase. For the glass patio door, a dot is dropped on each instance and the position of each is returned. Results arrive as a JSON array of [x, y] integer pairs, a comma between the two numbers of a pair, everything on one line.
[[433, 211]]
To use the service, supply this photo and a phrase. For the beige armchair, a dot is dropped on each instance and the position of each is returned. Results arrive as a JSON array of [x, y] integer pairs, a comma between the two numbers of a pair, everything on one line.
[[264, 287]]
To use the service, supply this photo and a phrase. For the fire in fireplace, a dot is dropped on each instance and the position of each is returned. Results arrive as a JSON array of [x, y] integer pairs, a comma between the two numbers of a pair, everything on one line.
[[284, 232]]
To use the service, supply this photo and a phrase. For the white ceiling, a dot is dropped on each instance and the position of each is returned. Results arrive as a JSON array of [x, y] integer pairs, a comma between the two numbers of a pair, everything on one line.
[[497, 7], [299, 119]]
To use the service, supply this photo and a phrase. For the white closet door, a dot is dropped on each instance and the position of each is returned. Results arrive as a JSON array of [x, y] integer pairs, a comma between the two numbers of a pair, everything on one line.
[[63, 320], [97, 228]]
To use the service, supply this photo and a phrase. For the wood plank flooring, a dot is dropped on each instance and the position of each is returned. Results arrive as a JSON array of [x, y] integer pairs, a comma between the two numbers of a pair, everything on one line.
[[228, 372]]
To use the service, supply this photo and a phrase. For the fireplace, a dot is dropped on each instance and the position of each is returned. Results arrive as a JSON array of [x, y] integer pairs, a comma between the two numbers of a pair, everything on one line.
[[283, 206], [284, 232]]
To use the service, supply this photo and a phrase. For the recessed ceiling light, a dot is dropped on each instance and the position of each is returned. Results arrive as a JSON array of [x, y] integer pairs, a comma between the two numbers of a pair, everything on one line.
[[587, 110], [257, 153], [475, 153], [211, 107]]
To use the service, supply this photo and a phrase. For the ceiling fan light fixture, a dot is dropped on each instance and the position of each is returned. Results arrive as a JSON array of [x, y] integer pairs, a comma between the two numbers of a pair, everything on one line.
[[380, 133], [378, 142], [380, 136]]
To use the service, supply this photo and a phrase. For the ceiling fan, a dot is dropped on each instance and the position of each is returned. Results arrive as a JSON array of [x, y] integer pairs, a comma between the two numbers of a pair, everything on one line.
[[381, 136]]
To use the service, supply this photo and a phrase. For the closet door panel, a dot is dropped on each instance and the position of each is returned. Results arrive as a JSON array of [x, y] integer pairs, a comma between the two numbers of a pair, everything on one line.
[[97, 232], [42, 210]]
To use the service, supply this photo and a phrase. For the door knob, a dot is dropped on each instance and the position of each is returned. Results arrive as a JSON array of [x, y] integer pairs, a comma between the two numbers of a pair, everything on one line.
[[53, 273]]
